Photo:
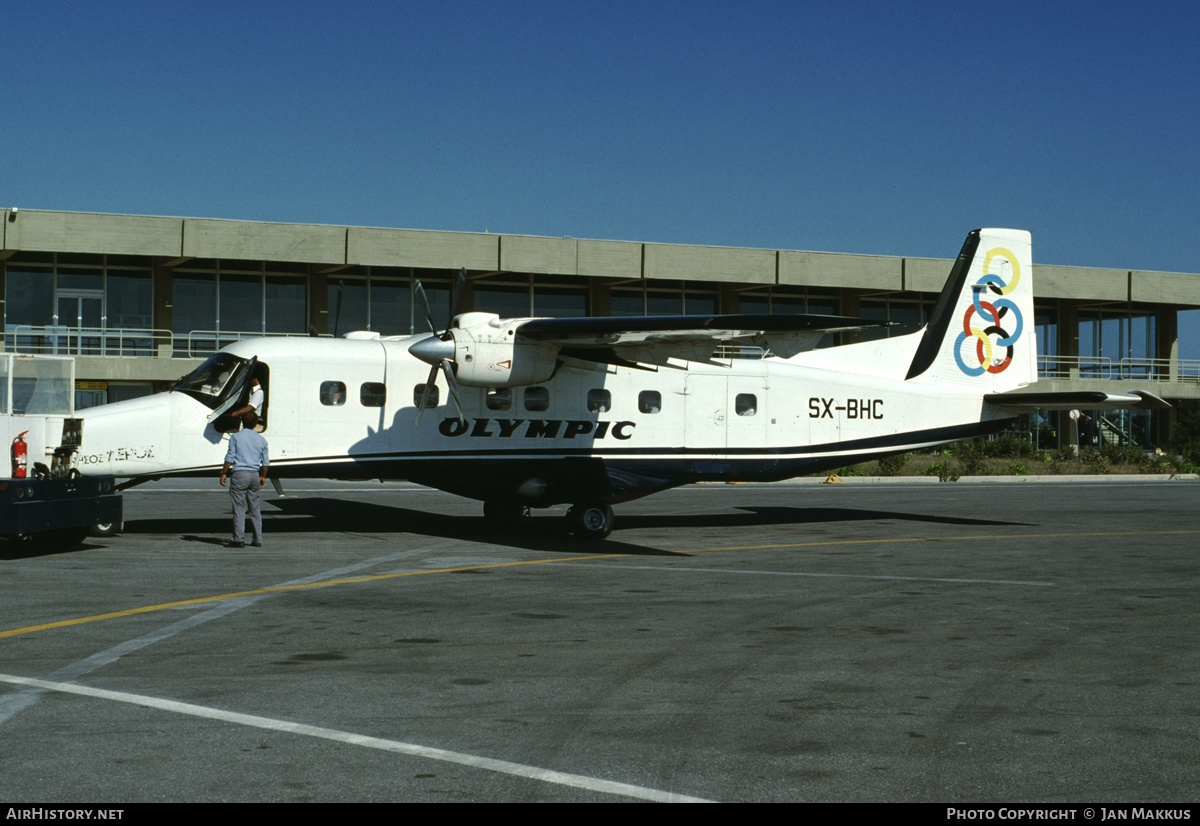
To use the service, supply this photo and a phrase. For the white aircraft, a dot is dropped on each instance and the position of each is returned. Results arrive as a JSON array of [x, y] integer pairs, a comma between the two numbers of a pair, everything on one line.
[[596, 411]]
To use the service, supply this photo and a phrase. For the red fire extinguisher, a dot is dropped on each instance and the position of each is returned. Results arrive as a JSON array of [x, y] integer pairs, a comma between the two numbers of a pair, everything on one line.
[[19, 449]]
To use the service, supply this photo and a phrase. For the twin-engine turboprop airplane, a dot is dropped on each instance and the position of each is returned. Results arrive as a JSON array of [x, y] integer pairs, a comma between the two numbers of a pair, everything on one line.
[[596, 411]]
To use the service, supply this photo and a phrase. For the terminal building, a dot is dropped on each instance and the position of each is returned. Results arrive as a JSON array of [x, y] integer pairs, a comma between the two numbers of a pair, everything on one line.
[[142, 300]]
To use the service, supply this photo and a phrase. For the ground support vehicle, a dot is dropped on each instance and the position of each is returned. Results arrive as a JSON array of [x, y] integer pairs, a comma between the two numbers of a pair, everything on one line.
[[43, 500]]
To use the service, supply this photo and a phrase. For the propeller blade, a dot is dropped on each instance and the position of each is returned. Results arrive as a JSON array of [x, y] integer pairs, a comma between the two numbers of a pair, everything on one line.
[[427, 394], [460, 288], [423, 303], [453, 387]]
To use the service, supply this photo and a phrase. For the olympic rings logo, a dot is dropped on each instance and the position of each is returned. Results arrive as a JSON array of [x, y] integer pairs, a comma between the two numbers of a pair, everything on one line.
[[990, 314]]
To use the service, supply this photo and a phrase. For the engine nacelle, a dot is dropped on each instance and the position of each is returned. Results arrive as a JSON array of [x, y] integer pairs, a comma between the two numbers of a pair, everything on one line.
[[488, 352]]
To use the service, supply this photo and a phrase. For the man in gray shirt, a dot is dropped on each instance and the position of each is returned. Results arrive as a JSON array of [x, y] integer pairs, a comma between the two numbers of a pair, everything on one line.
[[246, 464]]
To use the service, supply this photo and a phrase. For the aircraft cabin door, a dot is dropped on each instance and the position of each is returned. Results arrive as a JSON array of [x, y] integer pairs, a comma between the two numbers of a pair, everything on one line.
[[748, 413], [706, 411], [233, 390]]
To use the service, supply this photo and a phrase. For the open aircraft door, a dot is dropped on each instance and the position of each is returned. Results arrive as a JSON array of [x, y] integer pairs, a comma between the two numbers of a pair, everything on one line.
[[235, 387]]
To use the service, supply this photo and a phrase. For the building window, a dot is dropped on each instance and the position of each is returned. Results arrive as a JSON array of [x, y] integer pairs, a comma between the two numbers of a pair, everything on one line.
[[560, 301], [347, 306], [505, 300], [286, 309], [391, 307], [240, 303]]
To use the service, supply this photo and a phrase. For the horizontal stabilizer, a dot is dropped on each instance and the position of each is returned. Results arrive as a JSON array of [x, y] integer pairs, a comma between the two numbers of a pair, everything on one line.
[[1076, 400]]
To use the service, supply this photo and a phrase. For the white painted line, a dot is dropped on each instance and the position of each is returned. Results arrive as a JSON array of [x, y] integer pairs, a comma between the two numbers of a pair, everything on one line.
[[502, 766], [682, 569]]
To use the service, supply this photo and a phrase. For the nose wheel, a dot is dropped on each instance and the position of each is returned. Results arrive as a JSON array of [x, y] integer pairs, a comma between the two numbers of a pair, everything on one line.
[[591, 520]]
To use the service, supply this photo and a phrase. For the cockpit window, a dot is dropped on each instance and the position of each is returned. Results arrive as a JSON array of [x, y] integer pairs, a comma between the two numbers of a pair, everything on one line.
[[209, 382]]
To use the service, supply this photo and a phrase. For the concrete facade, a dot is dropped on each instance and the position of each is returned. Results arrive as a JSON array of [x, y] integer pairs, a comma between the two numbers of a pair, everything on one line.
[[318, 260]]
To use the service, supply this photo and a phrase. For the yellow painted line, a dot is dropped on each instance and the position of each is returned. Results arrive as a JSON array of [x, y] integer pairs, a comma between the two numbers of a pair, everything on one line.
[[16, 632], [933, 539], [277, 589]]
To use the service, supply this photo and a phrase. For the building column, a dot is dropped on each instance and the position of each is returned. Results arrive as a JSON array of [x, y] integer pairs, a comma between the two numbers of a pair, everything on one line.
[[1068, 347], [164, 303], [599, 299], [1166, 346]]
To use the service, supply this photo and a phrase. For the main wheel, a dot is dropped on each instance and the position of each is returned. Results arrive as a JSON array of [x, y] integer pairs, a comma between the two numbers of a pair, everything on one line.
[[593, 520]]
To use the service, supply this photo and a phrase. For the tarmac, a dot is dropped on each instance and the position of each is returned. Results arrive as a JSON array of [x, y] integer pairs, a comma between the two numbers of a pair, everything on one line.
[[988, 640]]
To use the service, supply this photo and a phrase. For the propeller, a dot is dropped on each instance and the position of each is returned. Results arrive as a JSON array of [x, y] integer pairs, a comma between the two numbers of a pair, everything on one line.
[[437, 349]]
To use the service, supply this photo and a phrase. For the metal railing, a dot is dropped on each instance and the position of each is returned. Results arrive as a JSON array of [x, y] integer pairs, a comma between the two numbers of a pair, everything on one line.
[[85, 341], [741, 351], [203, 343], [1126, 369]]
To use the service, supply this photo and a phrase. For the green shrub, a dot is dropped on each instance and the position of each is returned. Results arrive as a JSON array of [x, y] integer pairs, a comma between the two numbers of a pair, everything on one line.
[[945, 471], [970, 456], [1017, 469], [892, 465], [1124, 455], [1009, 446]]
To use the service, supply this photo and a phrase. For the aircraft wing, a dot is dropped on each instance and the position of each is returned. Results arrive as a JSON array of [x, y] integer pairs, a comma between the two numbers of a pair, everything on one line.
[[654, 338], [1022, 402]]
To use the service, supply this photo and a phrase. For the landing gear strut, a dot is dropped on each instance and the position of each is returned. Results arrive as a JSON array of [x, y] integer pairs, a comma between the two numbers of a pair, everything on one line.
[[590, 520]]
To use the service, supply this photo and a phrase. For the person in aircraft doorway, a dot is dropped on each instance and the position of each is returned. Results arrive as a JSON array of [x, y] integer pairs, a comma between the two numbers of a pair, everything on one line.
[[245, 467], [254, 406]]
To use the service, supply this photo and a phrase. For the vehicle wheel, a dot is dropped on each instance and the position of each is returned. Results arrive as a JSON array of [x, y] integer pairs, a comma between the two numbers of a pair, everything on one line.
[[591, 521], [505, 514], [105, 529]]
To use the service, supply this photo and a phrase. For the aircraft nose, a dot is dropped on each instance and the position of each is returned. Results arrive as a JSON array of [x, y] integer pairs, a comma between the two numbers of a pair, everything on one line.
[[432, 350]]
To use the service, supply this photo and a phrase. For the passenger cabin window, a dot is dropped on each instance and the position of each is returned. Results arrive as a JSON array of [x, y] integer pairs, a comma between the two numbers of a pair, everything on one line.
[[746, 404], [419, 391], [333, 393], [537, 399], [500, 399], [372, 394], [599, 400], [650, 401]]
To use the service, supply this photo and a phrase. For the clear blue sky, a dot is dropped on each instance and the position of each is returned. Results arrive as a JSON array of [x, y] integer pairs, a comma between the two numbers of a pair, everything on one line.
[[888, 128]]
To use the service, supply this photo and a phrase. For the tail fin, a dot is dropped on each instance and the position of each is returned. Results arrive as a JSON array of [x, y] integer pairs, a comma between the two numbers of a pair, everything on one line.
[[981, 334]]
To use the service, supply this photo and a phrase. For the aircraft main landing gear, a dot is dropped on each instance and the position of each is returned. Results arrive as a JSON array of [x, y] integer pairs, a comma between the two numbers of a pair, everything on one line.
[[592, 520]]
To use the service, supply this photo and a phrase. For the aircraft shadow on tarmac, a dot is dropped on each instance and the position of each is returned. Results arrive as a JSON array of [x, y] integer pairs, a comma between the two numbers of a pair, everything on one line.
[[541, 533], [313, 515]]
